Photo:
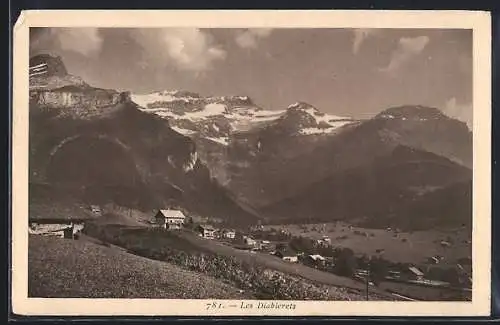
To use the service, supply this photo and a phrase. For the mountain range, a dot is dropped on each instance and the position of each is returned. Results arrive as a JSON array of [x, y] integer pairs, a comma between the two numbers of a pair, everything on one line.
[[98, 147], [228, 157]]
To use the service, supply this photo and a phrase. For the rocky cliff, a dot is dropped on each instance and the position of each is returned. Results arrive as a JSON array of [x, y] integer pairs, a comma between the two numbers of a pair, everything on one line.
[[96, 144], [77, 102]]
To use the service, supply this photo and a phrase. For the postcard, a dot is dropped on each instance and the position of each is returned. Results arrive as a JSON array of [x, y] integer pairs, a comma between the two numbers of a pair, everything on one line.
[[251, 163]]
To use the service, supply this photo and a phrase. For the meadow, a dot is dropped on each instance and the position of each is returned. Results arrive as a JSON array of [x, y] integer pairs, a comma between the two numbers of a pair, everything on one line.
[[65, 268], [404, 247]]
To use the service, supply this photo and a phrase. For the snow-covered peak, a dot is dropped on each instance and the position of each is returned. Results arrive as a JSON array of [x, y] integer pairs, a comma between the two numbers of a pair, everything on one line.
[[212, 117], [303, 107], [162, 98], [169, 98], [306, 119], [316, 114], [216, 117]]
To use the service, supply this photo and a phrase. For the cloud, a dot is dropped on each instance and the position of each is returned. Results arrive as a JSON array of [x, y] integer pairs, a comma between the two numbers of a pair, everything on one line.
[[360, 35], [250, 37], [86, 41], [408, 47], [188, 49], [462, 112]]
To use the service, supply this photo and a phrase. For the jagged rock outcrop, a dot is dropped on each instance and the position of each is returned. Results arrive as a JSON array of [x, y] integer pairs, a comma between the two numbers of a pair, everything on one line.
[[48, 72], [78, 102], [47, 65]]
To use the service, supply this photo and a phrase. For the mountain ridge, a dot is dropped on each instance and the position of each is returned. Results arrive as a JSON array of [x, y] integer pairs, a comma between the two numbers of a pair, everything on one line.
[[379, 194], [86, 137], [227, 155]]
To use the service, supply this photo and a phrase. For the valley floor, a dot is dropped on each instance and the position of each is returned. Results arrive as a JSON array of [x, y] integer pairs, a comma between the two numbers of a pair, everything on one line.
[[344, 285], [118, 258], [397, 246]]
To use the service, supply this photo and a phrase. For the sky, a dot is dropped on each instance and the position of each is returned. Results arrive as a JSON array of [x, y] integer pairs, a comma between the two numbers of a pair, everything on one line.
[[342, 71]]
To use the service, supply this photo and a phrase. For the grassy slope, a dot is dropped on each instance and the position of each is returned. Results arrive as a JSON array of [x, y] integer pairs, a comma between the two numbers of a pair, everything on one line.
[[67, 268]]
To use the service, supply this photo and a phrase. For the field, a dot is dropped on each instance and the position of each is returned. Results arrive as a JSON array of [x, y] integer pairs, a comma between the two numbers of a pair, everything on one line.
[[413, 291], [274, 263], [249, 271], [78, 268], [402, 247]]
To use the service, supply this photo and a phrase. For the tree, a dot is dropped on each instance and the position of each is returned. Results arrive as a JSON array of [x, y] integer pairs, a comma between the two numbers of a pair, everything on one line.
[[346, 263], [378, 270], [189, 222], [363, 261], [301, 244], [280, 247]]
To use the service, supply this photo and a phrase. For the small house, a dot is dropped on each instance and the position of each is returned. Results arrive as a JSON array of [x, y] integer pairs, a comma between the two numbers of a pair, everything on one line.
[[362, 273], [394, 274], [96, 209], [257, 228], [249, 241], [170, 219], [433, 260], [324, 241], [287, 255], [207, 231], [229, 234], [266, 244], [291, 259], [415, 273], [445, 243], [316, 260], [56, 227]]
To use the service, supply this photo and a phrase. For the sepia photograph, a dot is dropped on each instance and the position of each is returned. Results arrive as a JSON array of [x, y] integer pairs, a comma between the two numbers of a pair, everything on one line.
[[252, 167]]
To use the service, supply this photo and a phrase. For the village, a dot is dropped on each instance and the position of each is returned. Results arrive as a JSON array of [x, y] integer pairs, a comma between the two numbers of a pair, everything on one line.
[[321, 253]]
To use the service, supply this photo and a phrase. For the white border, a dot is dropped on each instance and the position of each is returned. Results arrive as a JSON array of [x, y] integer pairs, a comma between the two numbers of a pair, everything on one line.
[[478, 21]]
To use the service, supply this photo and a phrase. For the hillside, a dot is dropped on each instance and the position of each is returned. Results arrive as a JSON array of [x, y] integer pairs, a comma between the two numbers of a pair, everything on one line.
[[102, 272], [263, 157], [96, 144], [408, 188], [265, 166], [231, 132]]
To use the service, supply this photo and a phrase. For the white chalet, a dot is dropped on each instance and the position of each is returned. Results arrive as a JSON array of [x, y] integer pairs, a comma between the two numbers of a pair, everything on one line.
[[249, 241], [229, 234], [170, 219], [207, 231]]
